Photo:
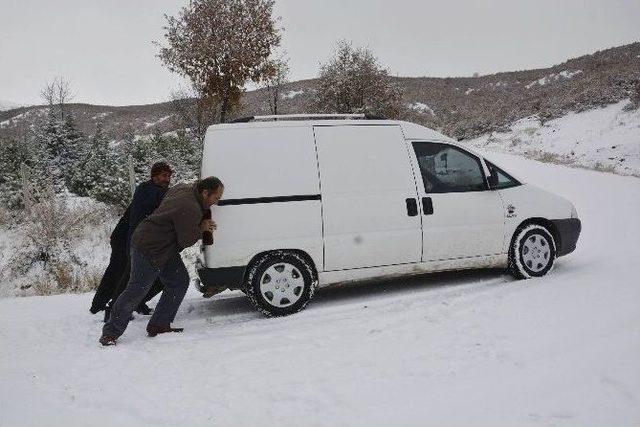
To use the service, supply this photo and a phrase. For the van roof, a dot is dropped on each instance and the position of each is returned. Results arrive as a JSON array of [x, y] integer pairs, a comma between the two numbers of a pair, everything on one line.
[[410, 130]]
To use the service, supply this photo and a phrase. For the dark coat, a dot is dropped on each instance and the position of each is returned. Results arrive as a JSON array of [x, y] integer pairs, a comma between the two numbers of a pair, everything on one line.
[[119, 235], [146, 199], [174, 226]]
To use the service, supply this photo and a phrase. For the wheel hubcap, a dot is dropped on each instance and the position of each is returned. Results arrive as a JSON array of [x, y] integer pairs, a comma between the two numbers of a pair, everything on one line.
[[281, 285], [536, 253]]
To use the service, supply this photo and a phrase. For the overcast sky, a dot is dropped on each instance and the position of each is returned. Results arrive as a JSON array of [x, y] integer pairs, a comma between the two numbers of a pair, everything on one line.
[[105, 47]]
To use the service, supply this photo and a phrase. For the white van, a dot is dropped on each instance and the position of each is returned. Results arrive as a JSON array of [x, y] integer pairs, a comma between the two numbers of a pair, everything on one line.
[[314, 200]]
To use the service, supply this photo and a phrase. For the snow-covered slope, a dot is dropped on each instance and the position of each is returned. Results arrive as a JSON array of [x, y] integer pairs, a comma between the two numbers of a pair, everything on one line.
[[604, 138], [470, 349]]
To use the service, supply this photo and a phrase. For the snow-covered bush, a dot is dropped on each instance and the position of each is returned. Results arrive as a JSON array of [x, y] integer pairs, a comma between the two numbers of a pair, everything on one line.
[[46, 255], [354, 82], [634, 98]]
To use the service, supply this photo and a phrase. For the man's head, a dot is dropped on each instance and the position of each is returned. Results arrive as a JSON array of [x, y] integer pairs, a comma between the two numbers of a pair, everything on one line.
[[210, 190], [161, 174]]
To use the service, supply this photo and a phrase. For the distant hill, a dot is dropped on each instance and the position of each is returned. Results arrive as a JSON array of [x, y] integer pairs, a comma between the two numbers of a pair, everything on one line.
[[462, 107], [8, 105]]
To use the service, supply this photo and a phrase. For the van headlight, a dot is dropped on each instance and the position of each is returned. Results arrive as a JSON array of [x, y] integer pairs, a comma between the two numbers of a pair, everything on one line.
[[574, 212]]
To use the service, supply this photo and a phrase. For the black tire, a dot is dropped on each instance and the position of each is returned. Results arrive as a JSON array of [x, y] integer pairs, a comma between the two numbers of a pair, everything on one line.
[[302, 272], [524, 264]]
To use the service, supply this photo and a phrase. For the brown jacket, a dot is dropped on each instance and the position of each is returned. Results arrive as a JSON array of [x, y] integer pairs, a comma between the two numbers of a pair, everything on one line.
[[174, 226]]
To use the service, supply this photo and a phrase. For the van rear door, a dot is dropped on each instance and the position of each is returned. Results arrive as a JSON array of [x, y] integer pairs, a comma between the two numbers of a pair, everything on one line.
[[369, 197]]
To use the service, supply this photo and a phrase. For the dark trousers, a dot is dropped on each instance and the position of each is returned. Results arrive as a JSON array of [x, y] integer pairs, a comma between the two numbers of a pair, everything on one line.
[[156, 287], [115, 279], [110, 278], [174, 277]]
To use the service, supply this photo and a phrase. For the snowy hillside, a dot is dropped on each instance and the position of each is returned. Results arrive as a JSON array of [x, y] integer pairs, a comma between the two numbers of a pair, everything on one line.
[[603, 138], [470, 349], [461, 107]]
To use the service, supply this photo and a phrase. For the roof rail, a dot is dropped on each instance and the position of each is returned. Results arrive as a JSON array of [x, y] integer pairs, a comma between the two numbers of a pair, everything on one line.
[[335, 116]]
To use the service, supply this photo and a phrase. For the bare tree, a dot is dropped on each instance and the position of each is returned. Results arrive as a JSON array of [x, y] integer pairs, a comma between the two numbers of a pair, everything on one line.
[[354, 82], [220, 45], [59, 93], [274, 84]]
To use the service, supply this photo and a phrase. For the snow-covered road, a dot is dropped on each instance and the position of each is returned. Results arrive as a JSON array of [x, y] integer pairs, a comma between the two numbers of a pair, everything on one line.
[[467, 349]]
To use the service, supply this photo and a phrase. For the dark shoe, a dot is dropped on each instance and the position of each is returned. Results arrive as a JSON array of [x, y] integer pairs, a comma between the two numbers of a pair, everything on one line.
[[154, 330], [95, 309], [144, 309], [212, 290], [107, 340]]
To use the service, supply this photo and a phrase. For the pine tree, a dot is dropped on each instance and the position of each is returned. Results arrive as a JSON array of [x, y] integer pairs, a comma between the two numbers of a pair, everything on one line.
[[61, 144], [12, 155], [50, 141], [144, 153], [73, 149], [101, 174]]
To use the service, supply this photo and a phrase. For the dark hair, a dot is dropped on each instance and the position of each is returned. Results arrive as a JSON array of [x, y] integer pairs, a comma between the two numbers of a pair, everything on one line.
[[160, 167], [211, 184]]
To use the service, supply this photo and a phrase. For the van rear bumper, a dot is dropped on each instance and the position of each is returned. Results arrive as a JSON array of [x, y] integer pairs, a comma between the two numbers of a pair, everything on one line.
[[229, 277], [568, 231]]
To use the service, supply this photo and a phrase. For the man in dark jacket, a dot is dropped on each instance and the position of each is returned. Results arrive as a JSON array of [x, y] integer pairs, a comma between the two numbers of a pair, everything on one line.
[[116, 266], [155, 252], [146, 199]]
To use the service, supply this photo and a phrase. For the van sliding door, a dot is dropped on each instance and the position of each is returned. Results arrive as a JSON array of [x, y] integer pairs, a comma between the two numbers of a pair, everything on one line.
[[369, 197]]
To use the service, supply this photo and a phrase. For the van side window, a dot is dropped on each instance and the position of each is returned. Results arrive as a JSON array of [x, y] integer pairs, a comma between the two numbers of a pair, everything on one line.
[[504, 179], [448, 169]]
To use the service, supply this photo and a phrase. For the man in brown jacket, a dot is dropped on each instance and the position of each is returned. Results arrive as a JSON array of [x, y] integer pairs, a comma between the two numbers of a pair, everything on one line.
[[155, 252]]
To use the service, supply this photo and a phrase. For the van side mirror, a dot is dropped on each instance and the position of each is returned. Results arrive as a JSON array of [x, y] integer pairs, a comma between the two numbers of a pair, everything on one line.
[[493, 181]]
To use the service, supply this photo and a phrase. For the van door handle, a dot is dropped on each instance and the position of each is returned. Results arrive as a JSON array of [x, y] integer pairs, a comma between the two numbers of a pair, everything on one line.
[[412, 207], [427, 206]]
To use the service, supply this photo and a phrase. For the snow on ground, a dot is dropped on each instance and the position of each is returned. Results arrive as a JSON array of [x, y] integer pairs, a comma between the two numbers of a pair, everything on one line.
[[157, 122], [553, 77], [466, 349], [603, 138], [292, 94], [15, 119], [101, 115], [421, 107]]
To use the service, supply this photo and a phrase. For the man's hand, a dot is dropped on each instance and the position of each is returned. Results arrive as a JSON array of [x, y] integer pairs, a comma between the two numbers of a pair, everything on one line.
[[208, 225]]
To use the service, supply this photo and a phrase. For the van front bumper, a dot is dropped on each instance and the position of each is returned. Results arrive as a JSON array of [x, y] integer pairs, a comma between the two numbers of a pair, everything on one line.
[[224, 277], [568, 232]]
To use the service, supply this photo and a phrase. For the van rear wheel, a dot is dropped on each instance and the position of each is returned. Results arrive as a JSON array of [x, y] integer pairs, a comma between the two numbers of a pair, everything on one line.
[[280, 283], [532, 252]]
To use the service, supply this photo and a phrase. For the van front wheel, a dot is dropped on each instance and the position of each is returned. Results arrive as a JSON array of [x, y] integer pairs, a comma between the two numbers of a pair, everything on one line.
[[532, 252], [280, 283]]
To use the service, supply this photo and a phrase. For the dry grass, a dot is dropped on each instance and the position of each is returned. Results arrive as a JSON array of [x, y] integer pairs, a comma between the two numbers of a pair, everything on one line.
[[46, 261], [600, 167], [63, 278]]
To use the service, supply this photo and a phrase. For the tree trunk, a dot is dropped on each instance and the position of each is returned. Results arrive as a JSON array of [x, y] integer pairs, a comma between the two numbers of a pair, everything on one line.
[[276, 95], [224, 110]]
